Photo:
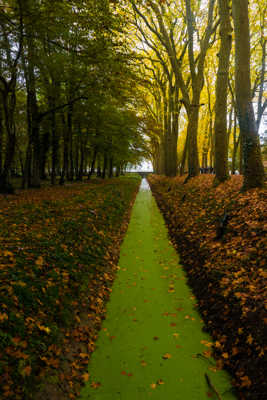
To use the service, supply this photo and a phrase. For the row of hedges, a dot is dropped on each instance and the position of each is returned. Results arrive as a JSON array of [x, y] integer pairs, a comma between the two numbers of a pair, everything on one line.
[[220, 234], [59, 248]]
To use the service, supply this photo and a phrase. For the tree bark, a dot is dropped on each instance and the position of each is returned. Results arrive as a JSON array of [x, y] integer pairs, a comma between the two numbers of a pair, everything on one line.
[[253, 166], [110, 170], [92, 169], [1, 139], [105, 164], [220, 124]]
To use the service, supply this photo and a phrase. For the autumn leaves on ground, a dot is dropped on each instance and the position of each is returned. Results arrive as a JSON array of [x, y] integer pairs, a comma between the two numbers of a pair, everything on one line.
[[226, 267], [58, 259]]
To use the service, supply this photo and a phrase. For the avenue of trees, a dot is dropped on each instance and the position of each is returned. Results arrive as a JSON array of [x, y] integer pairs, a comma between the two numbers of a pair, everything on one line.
[[204, 85], [93, 85], [67, 92]]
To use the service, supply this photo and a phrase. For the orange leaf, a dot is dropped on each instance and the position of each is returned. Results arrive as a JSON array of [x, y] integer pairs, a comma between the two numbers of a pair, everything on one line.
[[166, 356], [85, 377]]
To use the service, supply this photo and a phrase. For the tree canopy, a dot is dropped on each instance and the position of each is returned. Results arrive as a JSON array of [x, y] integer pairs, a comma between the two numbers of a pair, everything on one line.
[[101, 84]]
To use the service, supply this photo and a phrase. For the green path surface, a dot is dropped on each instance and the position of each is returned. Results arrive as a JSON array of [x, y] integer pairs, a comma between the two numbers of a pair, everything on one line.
[[150, 343]]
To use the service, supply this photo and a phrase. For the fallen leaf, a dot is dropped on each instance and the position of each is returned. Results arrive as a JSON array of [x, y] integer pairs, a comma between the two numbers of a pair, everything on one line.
[[85, 377], [166, 356]]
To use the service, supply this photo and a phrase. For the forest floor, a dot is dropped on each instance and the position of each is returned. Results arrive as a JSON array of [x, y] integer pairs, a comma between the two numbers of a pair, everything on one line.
[[151, 345], [220, 235], [58, 244]]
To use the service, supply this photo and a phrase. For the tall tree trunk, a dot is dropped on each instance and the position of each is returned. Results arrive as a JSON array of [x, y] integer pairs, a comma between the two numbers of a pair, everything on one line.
[[253, 166], [65, 135], [118, 171], [105, 164], [9, 104], [110, 169], [184, 156], [45, 144], [32, 106], [70, 170], [76, 160], [92, 169], [1, 139], [82, 157], [55, 145], [99, 173], [235, 146], [220, 124], [171, 136], [192, 131]]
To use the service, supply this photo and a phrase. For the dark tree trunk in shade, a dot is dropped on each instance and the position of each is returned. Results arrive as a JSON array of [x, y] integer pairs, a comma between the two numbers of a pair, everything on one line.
[[45, 144], [105, 164], [110, 169], [65, 135], [1, 139], [92, 169]]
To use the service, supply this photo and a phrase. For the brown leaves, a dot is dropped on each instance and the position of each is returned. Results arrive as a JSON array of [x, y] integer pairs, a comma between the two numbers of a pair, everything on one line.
[[231, 269], [56, 268]]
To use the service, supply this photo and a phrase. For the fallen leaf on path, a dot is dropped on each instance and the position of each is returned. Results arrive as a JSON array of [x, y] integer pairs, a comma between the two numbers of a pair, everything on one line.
[[95, 385], [166, 356], [153, 385]]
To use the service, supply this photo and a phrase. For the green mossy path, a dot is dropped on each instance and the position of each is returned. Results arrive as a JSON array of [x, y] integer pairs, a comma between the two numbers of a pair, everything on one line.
[[151, 344]]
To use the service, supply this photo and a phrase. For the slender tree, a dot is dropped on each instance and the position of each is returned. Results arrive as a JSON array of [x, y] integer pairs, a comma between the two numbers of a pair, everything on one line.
[[220, 125]]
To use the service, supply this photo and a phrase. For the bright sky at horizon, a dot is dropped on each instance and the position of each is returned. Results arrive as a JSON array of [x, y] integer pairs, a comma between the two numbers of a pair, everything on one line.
[[144, 166]]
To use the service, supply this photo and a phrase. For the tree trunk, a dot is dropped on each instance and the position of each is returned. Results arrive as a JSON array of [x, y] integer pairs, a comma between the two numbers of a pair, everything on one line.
[[105, 164], [236, 143], [92, 169], [220, 124], [82, 154], [55, 145], [192, 130], [32, 106], [184, 156], [253, 166], [9, 104], [70, 132], [1, 139], [118, 170], [171, 136], [110, 171], [99, 173]]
